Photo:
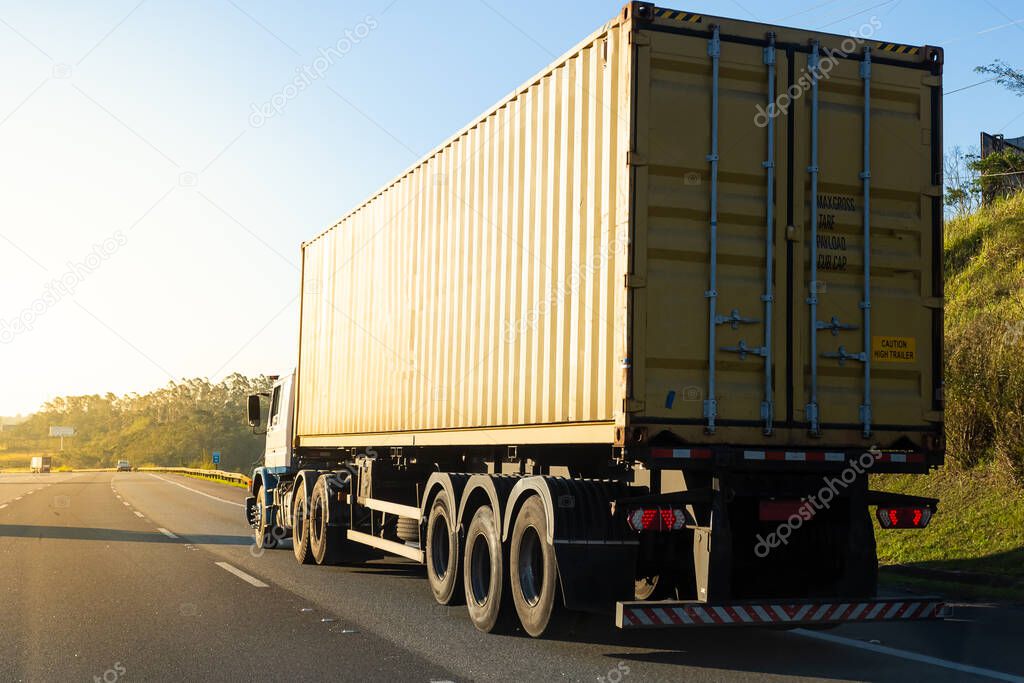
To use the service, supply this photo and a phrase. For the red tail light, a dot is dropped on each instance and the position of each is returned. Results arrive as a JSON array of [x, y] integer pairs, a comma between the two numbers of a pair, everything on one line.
[[656, 519], [903, 518]]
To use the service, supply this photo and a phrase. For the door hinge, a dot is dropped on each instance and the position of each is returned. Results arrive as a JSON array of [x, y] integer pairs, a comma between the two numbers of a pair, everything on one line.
[[639, 39], [633, 405], [635, 159], [635, 280]]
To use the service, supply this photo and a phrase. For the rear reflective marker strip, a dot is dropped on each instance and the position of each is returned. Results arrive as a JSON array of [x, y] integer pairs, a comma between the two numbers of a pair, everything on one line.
[[691, 615]]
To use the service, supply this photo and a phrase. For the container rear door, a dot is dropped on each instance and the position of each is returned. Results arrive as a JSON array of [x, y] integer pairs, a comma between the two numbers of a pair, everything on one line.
[[673, 189], [870, 360], [746, 370]]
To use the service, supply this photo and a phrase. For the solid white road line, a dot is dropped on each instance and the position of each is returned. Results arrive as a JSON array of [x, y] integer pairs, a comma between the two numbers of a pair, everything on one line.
[[139, 514], [242, 575], [189, 488], [166, 533], [912, 656]]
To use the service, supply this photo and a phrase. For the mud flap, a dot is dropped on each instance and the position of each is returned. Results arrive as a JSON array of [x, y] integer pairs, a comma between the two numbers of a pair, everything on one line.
[[860, 576], [594, 577]]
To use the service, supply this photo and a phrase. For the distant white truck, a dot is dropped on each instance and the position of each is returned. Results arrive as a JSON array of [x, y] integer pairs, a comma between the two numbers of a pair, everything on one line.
[[41, 463]]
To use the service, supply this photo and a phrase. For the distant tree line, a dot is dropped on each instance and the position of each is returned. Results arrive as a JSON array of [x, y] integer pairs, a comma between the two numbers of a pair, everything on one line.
[[180, 424]]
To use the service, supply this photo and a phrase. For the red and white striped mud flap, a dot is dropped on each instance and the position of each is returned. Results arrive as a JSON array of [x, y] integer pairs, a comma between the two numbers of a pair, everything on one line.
[[676, 614]]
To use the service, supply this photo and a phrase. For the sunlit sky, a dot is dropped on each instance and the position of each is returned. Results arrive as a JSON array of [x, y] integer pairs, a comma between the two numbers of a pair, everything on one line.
[[136, 171]]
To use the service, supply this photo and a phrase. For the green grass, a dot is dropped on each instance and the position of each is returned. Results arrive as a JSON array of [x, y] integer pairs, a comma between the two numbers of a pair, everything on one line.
[[979, 526], [984, 337], [219, 481], [950, 589]]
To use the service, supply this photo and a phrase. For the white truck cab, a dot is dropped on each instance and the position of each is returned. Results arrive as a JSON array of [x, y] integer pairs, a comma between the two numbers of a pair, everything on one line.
[[278, 441]]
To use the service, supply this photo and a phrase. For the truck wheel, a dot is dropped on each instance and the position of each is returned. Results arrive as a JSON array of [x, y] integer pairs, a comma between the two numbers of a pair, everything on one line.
[[486, 575], [442, 546], [534, 570], [300, 528], [265, 537], [326, 543]]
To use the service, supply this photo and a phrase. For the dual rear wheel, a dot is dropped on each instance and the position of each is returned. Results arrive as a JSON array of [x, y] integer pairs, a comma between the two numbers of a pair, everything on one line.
[[328, 544], [499, 581]]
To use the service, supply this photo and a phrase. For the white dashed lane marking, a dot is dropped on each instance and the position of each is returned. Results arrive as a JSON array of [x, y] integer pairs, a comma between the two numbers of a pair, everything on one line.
[[912, 656], [189, 488], [242, 575], [139, 514]]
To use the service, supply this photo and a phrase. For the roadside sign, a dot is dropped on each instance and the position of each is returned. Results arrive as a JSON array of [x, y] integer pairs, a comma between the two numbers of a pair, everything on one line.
[[61, 431], [216, 457]]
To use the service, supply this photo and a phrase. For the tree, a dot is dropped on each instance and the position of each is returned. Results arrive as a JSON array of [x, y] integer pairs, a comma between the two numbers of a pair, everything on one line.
[[999, 174], [962, 192], [178, 424], [1005, 75]]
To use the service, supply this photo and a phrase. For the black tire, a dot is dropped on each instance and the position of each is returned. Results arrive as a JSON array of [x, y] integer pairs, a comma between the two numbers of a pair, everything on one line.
[[534, 571], [485, 572], [300, 527], [444, 568], [264, 534], [327, 543]]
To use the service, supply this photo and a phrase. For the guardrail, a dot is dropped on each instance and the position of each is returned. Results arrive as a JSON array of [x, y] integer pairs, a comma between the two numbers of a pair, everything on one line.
[[212, 475]]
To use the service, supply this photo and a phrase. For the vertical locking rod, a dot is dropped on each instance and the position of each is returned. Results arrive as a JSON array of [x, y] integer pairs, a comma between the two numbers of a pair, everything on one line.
[[710, 403], [767, 406], [865, 304], [813, 288]]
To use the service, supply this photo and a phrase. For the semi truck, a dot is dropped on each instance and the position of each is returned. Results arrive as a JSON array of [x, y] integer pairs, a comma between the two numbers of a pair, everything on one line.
[[634, 341], [40, 463]]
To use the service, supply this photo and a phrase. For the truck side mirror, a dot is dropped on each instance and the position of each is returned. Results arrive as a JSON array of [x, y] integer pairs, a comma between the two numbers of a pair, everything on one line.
[[254, 410]]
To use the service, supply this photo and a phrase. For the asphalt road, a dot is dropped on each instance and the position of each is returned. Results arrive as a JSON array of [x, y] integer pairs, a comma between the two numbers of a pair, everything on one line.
[[136, 576]]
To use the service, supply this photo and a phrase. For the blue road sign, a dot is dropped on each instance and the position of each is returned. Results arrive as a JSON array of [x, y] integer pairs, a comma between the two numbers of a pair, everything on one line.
[[216, 457]]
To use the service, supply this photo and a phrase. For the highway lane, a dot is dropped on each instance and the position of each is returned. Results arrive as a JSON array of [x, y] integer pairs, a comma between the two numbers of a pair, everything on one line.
[[15, 487], [93, 589], [389, 598], [117, 575]]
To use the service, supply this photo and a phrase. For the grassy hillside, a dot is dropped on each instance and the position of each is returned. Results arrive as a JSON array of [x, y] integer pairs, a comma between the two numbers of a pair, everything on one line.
[[180, 424], [980, 525], [984, 260]]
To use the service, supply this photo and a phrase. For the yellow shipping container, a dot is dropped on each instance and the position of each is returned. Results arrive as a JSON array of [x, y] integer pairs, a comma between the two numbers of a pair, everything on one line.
[[634, 247]]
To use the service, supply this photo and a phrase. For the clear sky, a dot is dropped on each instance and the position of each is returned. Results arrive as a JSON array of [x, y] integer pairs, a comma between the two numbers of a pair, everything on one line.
[[155, 166]]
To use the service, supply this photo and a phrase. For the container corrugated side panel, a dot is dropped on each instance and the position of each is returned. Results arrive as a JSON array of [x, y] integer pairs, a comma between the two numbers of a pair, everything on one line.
[[483, 288]]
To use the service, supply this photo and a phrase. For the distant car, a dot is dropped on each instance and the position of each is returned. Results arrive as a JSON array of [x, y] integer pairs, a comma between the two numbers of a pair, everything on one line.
[[123, 466], [41, 463]]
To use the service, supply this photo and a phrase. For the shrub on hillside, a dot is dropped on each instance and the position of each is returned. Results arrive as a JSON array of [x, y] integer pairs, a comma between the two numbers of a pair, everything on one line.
[[984, 341]]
